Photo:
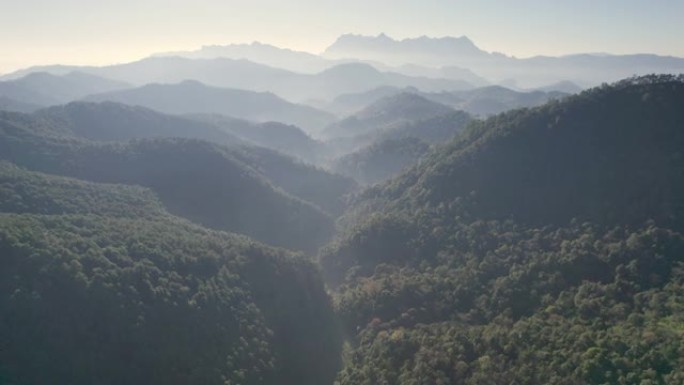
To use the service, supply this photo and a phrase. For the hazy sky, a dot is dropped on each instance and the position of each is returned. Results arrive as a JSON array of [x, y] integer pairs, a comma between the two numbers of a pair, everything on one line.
[[106, 31]]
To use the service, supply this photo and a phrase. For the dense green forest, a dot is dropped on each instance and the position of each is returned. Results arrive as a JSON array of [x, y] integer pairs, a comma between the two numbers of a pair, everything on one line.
[[99, 284], [539, 246], [381, 160], [250, 191]]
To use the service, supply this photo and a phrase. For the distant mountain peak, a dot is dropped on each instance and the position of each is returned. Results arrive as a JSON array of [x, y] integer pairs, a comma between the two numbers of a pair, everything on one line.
[[423, 49]]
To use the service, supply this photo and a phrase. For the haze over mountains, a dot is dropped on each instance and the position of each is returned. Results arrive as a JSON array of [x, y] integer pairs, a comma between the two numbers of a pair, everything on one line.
[[585, 69], [399, 212], [447, 58]]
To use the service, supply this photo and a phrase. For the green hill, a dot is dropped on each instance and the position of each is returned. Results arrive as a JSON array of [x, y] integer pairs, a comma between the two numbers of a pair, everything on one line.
[[112, 122], [23, 191], [540, 246], [386, 113], [381, 160], [193, 97], [43, 89], [281, 137], [109, 121], [194, 179], [99, 284]]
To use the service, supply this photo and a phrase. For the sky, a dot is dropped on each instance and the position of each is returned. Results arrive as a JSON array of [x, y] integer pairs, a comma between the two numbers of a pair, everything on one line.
[[97, 32]]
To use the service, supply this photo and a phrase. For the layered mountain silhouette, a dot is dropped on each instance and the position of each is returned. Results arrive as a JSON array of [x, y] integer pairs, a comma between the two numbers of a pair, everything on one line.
[[381, 160], [386, 113], [191, 97], [584, 69], [247, 75], [423, 50], [478, 101], [213, 185], [109, 121], [296, 61], [456, 61], [285, 138], [44, 89]]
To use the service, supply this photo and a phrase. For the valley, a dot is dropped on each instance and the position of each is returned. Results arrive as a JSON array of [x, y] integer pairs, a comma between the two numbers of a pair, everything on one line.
[[415, 211]]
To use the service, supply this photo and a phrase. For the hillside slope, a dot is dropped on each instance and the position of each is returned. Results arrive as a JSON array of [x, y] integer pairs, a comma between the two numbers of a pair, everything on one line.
[[541, 246], [196, 180], [190, 97], [386, 113], [99, 284]]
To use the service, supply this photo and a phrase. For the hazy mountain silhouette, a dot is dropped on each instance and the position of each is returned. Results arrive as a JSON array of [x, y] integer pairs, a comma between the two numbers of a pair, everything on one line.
[[479, 101], [285, 138], [244, 74], [381, 160], [584, 69], [194, 97], [346, 78], [206, 183], [437, 129], [385, 113], [348, 104], [304, 62], [564, 86], [44, 89], [9, 104], [109, 121], [493, 99], [296, 61], [447, 58], [434, 52], [432, 130]]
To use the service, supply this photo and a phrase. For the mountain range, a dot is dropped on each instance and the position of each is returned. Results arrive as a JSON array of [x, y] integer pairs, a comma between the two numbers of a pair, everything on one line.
[[584, 69], [247, 75], [263, 67], [416, 211], [193, 97], [154, 234]]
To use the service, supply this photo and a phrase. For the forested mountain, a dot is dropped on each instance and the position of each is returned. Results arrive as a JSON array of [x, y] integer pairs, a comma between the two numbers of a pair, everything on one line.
[[309, 183], [26, 192], [494, 99], [478, 101], [438, 129], [564, 86], [361, 77], [196, 180], [9, 104], [387, 113], [98, 284], [44, 89], [108, 121], [285, 138], [191, 97], [540, 246], [117, 122], [381, 160], [348, 104]]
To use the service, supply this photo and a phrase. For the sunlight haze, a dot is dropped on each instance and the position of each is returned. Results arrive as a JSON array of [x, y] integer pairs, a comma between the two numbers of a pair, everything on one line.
[[34, 32]]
